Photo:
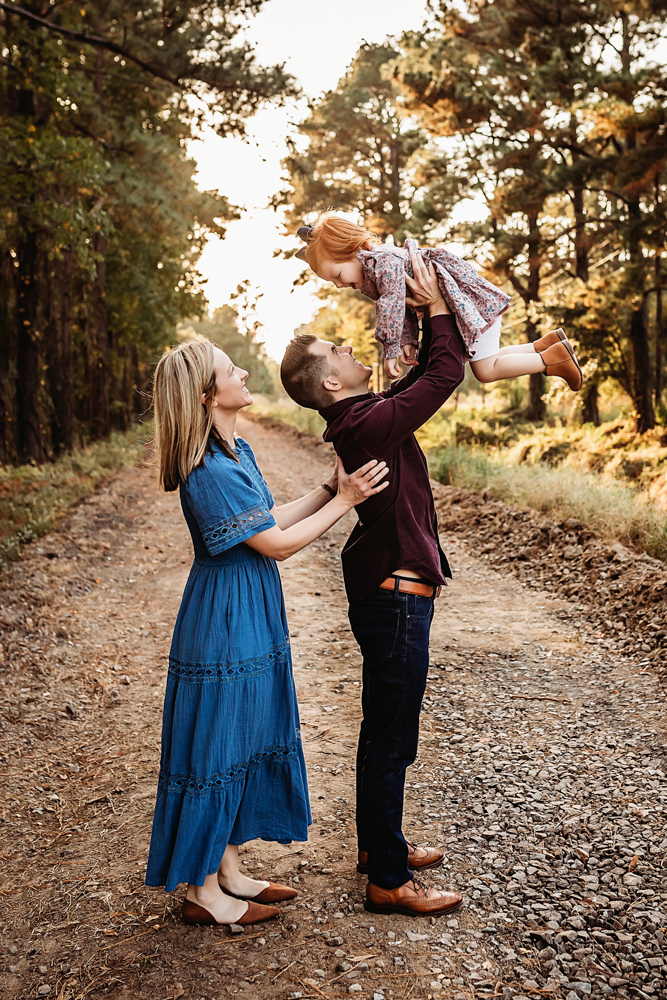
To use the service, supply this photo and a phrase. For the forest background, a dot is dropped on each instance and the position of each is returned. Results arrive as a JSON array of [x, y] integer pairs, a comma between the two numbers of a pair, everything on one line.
[[548, 118]]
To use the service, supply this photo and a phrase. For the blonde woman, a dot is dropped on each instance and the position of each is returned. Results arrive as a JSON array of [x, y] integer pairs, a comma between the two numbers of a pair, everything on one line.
[[232, 767]]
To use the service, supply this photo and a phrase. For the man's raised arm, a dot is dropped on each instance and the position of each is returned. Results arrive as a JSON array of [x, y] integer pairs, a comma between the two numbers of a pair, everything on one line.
[[409, 403]]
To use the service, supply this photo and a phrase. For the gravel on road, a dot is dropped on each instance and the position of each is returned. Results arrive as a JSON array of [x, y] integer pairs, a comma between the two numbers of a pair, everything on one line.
[[541, 769]]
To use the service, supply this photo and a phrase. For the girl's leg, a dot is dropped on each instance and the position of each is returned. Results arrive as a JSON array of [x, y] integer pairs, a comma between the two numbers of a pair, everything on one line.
[[225, 909], [231, 877], [508, 363], [518, 349]]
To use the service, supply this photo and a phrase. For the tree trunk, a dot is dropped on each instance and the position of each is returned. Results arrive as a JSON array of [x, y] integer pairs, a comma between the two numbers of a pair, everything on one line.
[[395, 193], [66, 358], [28, 430], [59, 355], [84, 400], [537, 408], [5, 354], [642, 376], [642, 379], [580, 246], [137, 387], [52, 356], [99, 346], [590, 409], [100, 422], [120, 386], [659, 334]]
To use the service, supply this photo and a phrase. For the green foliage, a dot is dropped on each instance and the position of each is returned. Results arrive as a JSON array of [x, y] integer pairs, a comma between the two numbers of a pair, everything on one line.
[[552, 130], [468, 426], [613, 450], [556, 124], [101, 223]]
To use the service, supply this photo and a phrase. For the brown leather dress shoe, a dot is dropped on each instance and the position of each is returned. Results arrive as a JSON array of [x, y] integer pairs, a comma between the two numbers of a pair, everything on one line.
[[549, 339], [193, 913], [414, 899], [561, 361], [273, 893], [431, 858]]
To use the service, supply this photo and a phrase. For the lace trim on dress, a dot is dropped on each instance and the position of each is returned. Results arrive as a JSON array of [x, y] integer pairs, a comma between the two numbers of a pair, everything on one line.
[[192, 784], [236, 525], [227, 671]]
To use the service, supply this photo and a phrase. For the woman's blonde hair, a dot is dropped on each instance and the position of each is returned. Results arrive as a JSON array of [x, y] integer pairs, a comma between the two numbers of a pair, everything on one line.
[[337, 239], [183, 424]]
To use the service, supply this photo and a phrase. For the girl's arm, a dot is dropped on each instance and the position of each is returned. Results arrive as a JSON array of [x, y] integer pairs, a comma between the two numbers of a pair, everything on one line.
[[291, 513], [280, 544], [390, 306]]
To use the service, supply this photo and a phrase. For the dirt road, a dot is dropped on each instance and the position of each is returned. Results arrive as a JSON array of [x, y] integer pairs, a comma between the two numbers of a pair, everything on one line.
[[541, 770]]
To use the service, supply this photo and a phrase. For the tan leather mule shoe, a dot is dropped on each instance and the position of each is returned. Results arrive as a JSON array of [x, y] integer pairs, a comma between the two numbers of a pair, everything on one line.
[[193, 913], [273, 893]]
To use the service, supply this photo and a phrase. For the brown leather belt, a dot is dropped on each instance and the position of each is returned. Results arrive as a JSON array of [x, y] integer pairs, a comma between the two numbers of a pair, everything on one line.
[[406, 586]]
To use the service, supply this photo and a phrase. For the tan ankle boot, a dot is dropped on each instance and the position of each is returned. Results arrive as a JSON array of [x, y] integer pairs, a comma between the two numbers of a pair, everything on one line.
[[549, 339], [563, 363]]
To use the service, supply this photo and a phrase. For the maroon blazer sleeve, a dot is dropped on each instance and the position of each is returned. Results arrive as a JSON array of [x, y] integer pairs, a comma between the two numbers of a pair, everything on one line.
[[402, 410]]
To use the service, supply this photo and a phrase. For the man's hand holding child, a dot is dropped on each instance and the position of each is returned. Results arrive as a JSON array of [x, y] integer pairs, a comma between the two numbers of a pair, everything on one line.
[[423, 292]]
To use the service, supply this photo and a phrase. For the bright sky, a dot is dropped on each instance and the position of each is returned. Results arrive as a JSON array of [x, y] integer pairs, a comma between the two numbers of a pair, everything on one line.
[[317, 40]]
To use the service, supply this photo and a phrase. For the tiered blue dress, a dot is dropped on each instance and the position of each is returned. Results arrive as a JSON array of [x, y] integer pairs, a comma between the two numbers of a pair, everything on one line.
[[232, 767]]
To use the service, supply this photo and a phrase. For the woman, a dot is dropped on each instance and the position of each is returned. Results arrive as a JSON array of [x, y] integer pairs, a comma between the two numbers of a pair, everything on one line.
[[232, 766]]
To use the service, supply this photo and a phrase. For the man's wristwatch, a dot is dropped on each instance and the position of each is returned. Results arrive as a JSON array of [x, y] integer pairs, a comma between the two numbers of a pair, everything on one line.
[[329, 489]]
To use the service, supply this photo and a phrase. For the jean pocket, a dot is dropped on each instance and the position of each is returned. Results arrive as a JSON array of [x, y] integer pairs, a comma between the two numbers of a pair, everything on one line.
[[376, 629], [420, 608]]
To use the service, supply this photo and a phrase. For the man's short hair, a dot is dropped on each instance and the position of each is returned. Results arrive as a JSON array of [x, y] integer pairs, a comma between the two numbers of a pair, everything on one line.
[[302, 373]]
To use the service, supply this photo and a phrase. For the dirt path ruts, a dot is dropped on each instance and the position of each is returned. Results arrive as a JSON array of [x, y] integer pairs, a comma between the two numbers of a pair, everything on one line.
[[541, 769]]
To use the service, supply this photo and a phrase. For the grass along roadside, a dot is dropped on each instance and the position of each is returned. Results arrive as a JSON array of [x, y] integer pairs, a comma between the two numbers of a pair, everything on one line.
[[34, 497], [613, 509], [613, 450], [603, 476], [289, 412]]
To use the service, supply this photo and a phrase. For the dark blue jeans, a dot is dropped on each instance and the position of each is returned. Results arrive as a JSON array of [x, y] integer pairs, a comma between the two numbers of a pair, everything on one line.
[[392, 630]]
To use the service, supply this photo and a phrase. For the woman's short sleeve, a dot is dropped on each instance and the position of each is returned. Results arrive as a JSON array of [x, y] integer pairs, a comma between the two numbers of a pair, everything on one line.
[[226, 504]]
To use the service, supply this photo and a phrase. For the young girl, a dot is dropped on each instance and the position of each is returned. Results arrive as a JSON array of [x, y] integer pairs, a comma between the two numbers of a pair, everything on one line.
[[337, 250]]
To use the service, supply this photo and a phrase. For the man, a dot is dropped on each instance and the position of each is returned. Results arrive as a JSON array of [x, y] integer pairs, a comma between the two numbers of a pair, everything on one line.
[[393, 568]]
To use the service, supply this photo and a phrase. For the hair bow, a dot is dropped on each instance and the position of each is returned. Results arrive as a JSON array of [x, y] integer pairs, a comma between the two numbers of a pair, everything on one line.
[[305, 233]]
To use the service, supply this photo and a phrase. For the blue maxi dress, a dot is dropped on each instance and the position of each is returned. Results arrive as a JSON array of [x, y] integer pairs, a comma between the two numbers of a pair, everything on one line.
[[232, 767]]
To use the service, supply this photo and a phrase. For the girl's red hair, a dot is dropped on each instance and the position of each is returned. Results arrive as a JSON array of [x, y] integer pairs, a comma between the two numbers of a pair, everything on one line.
[[337, 239]]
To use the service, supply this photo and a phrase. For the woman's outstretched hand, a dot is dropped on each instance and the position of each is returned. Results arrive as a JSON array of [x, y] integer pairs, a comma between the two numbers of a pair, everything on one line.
[[363, 483], [278, 543]]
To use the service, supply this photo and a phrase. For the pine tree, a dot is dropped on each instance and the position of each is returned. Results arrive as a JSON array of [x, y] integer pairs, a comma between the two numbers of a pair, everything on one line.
[[100, 220], [553, 115], [358, 151]]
